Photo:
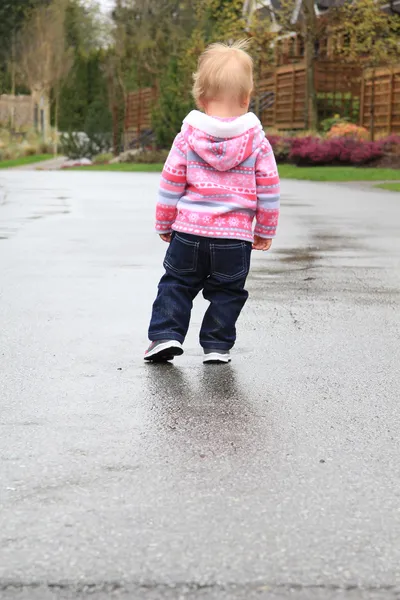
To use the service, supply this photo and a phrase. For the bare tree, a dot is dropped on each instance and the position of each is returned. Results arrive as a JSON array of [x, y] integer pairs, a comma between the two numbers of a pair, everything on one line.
[[43, 58]]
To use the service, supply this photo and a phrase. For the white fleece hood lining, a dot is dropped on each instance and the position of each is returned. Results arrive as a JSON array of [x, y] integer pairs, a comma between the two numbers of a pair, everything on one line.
[[222, 129]]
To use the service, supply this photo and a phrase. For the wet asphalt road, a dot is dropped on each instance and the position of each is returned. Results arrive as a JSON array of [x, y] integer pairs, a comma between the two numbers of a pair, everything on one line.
[[276, 477]]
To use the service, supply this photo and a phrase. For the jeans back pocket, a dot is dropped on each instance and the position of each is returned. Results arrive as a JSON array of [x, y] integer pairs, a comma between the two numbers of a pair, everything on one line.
[[182, 255], [230, 261]]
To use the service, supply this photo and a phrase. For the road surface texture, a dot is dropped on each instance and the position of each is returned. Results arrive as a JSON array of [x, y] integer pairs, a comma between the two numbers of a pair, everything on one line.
[[274, 478]]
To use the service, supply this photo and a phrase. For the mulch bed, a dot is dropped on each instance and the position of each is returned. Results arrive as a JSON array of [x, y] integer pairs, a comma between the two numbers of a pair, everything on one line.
[[390, 161]]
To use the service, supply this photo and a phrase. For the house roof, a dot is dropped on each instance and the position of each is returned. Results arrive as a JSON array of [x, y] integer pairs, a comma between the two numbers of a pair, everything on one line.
[[271, 7]]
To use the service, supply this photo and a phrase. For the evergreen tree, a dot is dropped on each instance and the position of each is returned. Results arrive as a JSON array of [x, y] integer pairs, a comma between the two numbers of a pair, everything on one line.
[[174, 103], [83, 97]]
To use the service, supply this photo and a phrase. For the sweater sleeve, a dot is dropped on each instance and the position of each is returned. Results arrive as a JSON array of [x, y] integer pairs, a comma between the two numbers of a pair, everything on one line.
[[172, 185], [268, 192]]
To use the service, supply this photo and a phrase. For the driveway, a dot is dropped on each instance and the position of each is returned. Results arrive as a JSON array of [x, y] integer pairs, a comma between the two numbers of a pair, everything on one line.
[[276, 477]]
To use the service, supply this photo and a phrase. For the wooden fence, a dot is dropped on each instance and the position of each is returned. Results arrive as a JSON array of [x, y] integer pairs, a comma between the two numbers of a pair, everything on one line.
[[338, 89], [138, 112], [380, 95]]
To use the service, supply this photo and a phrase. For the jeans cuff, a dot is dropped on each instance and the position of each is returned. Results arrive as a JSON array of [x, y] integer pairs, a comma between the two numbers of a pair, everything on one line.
[[216, 345], [166, 335]]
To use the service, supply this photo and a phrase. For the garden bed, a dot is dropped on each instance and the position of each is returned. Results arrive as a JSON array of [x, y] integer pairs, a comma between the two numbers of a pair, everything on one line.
[[345, 150]]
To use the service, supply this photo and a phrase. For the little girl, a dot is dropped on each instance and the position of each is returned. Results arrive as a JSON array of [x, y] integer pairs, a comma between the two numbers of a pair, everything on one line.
[[219, 176]]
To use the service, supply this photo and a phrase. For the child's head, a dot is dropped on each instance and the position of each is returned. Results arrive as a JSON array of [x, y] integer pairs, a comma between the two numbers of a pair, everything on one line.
[[224, 74]]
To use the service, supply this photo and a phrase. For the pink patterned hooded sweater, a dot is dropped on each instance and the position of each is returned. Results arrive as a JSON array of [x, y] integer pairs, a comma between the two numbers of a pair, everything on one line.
[[219, 176]]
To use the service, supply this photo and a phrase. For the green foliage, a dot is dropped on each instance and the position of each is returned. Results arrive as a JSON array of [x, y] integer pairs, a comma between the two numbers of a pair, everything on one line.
[[158, 42], [173, 104], [84, 102], [84, 27], [327, 124], [80, 145], [83, 98], [363, 31], [226, 20], [330, 104], [12, 15], [103, 159], [150, 157], [146, 34]]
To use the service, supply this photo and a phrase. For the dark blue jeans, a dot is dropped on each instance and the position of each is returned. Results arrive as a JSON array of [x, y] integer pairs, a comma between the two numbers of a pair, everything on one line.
[[216, 266]]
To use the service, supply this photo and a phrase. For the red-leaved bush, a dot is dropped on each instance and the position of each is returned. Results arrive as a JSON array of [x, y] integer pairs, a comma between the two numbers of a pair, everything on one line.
[[281, 146], [311, 150]]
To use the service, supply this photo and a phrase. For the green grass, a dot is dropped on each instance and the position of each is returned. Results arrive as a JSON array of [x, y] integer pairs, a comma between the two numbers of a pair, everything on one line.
[[123, 167], [285, 171], [25, 160], [392, 187], [338, 173]]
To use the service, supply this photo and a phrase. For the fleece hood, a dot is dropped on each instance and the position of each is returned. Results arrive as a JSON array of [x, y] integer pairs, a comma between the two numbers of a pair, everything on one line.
[[223, 144]]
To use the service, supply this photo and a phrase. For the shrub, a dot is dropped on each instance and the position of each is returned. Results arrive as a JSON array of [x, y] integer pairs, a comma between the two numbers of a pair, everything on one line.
[[336, 151], [391, 144], [327, 124], [144, 157], [31, 150], [303, 150], [281, 146], [81, 145], [348, 130], [46, 148], [301, 134], [104, 158], [151, 156], [20, 144]]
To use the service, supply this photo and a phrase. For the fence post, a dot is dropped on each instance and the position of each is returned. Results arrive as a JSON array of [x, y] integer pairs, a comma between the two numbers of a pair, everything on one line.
[[139, 121], [390, 108], [372, 106], [362, 98], [293, 94]]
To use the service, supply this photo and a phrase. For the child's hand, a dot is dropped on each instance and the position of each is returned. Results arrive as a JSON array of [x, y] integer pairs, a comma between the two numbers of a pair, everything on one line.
[[166, 237], [261, 243]]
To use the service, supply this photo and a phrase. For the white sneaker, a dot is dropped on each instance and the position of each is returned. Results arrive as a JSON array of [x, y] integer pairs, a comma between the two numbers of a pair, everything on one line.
[[215, 357], [163, 350]]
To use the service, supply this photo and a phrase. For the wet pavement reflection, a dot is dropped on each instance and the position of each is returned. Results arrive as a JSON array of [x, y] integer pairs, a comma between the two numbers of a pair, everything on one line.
[[207, 414]]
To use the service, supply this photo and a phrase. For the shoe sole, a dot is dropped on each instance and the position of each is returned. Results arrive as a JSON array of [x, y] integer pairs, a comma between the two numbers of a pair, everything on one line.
[[216, 359], [164, 352]]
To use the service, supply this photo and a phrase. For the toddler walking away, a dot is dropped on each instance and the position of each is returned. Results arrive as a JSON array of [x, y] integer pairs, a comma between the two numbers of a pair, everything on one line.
[[220, 175]]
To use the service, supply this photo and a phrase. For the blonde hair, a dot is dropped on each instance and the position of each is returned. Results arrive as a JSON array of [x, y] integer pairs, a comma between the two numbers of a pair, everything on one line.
[[224, 69]]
